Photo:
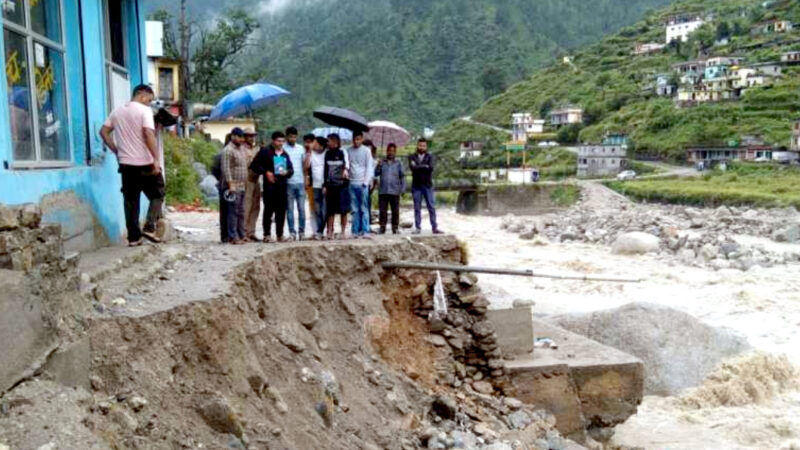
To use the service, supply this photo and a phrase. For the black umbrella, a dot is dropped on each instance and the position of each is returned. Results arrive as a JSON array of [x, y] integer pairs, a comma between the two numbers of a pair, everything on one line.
[[342, 118]]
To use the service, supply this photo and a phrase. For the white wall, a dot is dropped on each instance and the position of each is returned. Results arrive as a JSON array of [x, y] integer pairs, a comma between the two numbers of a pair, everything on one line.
[[154, 33], [682, 30]]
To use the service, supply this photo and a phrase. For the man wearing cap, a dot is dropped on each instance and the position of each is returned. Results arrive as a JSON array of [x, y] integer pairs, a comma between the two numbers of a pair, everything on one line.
[[235, 159], [252, 195]]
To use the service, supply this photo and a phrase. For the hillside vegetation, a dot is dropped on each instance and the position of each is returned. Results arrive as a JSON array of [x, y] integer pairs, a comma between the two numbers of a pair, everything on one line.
[[615, 87], [416, 62]]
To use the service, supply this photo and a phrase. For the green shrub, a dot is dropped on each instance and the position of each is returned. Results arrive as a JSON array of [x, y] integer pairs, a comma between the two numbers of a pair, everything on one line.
[[181, 178]]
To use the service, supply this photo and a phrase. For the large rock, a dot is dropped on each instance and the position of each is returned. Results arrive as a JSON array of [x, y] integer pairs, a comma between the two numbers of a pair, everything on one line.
[[678, 350], [788, 234], [635, 243], [9, 218], [209, 187]]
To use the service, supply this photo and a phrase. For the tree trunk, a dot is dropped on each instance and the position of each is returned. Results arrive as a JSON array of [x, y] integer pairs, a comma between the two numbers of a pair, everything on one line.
[[185, 40]]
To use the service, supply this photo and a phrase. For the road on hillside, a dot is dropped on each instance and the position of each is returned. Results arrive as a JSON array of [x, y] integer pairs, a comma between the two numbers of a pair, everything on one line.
[[468, 119]]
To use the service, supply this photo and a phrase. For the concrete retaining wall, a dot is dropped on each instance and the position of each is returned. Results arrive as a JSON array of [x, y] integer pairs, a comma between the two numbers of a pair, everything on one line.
[[517, 199]]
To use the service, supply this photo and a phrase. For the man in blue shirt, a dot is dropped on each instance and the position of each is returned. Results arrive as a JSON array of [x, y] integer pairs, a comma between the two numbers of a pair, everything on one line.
[[296, 188], [362, 171]]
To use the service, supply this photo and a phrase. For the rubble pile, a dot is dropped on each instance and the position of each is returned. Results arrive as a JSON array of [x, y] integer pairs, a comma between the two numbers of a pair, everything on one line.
[[25, 242], [465, 339], [693, 236]]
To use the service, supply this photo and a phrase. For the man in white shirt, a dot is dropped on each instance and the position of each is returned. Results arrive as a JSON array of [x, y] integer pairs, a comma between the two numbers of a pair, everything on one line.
[[129, 132], [317, 180], [296, 188]]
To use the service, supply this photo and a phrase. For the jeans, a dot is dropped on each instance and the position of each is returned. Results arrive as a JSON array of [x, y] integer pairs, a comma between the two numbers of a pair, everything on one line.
[[319, 211], [236, 219], [296, 195], [275, 202], [420, 193], [385, 201], [135, 181], [359, 195]]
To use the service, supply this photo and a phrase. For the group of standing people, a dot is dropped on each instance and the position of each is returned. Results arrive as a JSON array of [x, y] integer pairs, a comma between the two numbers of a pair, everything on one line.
[[284, 175]]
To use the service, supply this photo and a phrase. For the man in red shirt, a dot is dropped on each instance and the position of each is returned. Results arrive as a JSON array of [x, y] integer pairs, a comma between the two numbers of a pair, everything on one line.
[[130, 133]]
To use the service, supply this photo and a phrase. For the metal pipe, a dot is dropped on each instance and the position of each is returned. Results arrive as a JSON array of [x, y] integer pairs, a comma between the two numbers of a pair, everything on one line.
[[495, 271]]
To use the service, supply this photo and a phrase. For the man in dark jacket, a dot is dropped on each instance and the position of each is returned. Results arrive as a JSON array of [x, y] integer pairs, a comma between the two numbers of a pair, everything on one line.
[[335, 186], [274, 165], [422, 166], [391, 187]]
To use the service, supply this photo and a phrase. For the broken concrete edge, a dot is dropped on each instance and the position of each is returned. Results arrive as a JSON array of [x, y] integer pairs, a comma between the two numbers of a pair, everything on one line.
[[585, 384]]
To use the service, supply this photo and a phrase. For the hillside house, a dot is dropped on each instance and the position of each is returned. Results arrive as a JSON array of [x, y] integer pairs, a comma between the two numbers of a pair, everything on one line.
[[690, 72], [773, 26], [774, 69], [523, 125], [725, 61], [791, 58], [471, 149], [665, 85], [67, 64], [751, 148], [566, 116], [679, 28], [163, 74], [648, 48], [795, 145], [603, 160]]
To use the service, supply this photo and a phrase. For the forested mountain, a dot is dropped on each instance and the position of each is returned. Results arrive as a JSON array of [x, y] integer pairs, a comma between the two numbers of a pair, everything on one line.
[[617, 89], [417, 62]]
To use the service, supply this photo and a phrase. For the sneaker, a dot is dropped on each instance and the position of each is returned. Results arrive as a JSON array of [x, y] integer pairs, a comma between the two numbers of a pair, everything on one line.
[[151, 236], [367, 237], [417, 231], [438, 232], [268, 240], [137, 243]]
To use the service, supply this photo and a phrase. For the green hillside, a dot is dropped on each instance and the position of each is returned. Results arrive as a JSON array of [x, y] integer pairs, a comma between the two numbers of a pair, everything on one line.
[[419, 62], [612, 85]]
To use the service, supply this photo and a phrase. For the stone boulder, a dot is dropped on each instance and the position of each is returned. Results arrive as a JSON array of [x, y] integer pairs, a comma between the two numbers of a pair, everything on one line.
[[635, 243], [209, 187], [788, 234], [677, 349]]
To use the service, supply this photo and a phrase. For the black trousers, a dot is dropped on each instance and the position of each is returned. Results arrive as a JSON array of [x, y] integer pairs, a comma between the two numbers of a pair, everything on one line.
[[384, 202], [223, 217], [135, 181], [275, 204]]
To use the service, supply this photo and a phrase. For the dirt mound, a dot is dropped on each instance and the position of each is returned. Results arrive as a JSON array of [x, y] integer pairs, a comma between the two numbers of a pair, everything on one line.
[[283, 360], [749, 379]]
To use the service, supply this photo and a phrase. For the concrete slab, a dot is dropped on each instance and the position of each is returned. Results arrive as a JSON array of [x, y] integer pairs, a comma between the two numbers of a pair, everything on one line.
[[514, 329], [580, 381]]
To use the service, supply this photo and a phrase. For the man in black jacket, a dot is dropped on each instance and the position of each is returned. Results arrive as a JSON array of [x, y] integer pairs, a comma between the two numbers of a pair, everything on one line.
[[274, 165], [422, 166]]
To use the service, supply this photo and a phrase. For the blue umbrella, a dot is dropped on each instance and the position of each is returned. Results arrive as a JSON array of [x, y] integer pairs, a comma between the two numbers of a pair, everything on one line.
[[344, 133], [247, 99]]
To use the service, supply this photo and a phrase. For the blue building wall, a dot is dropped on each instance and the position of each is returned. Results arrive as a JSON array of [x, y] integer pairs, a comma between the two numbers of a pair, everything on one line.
[[94, 181]]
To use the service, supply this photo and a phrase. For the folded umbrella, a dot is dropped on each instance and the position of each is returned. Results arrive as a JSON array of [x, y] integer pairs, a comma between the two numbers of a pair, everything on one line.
[[342, 118], [247, 99], [385, 132]]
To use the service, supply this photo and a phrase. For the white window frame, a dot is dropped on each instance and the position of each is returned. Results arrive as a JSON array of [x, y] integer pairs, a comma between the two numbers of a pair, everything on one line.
[[32, 37], [111, 66]]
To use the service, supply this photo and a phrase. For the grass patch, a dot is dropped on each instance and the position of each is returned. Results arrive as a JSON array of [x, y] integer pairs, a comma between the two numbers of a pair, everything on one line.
[[760, 185], [182, 180], [565, 195]]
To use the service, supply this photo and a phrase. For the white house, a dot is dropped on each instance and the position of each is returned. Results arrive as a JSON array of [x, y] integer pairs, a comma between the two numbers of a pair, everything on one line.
[[524, 125], [679, 28], [566, 116], [650, 47]]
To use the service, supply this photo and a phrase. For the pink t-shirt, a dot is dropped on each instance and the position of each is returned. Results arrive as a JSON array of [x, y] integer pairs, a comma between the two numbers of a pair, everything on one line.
[[128, 123]]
